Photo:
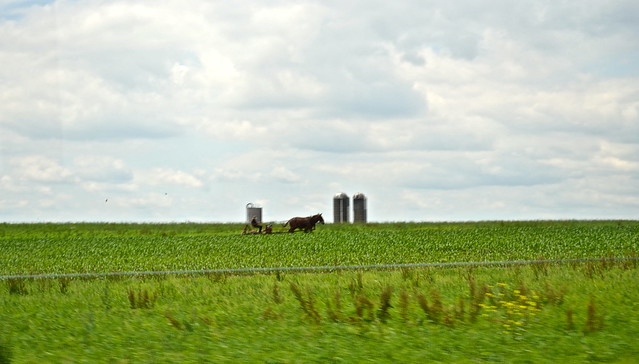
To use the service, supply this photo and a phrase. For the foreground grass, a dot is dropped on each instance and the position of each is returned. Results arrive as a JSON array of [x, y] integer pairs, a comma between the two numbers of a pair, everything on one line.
[[586, 312], [569, 313]]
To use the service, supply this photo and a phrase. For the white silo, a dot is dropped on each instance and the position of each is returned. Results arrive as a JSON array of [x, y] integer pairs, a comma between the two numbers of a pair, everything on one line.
[[253, 210]]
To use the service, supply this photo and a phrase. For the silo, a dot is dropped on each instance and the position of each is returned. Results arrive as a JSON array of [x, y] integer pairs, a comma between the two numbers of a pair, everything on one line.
[[253, 210], [340, 208], [359, 208]]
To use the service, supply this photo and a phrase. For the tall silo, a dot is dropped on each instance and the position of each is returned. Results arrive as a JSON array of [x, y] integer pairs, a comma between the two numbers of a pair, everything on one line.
[[359, 208], [340, 208], [251, 211]]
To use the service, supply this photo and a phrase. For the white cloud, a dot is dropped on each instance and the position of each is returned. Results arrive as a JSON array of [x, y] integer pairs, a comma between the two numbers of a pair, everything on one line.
[[102, 169], [39, 168], [164, 176], [285, 175]]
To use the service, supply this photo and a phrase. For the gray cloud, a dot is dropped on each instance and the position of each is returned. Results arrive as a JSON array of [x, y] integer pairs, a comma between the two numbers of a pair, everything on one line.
[[437, 110]]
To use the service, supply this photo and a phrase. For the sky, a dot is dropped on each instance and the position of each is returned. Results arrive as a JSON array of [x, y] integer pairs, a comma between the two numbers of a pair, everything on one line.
[[176, 111]]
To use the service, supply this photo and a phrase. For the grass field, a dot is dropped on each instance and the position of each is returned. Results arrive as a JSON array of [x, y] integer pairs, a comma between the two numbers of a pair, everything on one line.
[[578, 312]]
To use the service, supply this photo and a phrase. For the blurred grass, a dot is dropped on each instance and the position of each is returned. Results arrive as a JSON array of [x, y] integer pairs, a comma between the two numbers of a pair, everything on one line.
[[226, 318]]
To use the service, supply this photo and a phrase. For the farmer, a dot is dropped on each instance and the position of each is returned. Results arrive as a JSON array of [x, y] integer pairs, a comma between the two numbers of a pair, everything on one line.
[[255, 224]]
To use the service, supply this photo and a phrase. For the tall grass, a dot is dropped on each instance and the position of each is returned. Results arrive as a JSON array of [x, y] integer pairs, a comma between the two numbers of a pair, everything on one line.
[[539, 313]]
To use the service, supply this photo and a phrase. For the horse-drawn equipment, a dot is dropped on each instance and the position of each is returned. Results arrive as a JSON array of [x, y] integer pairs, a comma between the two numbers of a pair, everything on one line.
[[307, 224]]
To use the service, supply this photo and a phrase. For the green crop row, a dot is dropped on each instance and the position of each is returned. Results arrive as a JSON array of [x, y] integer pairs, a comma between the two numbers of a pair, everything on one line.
[[72, 248]]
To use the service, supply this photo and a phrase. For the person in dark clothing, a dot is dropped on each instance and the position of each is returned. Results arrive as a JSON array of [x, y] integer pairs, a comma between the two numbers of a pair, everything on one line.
[[255, 224]]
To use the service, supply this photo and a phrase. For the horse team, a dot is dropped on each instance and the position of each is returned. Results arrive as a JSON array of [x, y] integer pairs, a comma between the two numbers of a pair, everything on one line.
[[306, 224]]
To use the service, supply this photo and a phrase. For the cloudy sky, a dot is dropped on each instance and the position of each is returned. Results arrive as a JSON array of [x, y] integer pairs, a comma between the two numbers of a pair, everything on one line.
[[436, 110]]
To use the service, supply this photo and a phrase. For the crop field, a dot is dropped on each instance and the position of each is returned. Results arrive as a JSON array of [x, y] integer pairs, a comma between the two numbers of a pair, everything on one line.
[[64, 299]]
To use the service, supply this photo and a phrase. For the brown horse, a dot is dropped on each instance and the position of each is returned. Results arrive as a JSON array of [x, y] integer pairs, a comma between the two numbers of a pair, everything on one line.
[[304, 223]]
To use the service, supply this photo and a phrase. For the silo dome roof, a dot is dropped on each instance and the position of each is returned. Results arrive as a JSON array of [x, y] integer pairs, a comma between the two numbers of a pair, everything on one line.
[[341, 195], [359, 196]]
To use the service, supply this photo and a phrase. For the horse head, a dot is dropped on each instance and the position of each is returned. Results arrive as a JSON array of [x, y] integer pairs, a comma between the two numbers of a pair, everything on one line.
[[320, 219]]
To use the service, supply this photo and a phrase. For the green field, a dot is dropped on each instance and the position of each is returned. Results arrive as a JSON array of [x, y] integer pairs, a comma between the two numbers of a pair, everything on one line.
[[546, 312]]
